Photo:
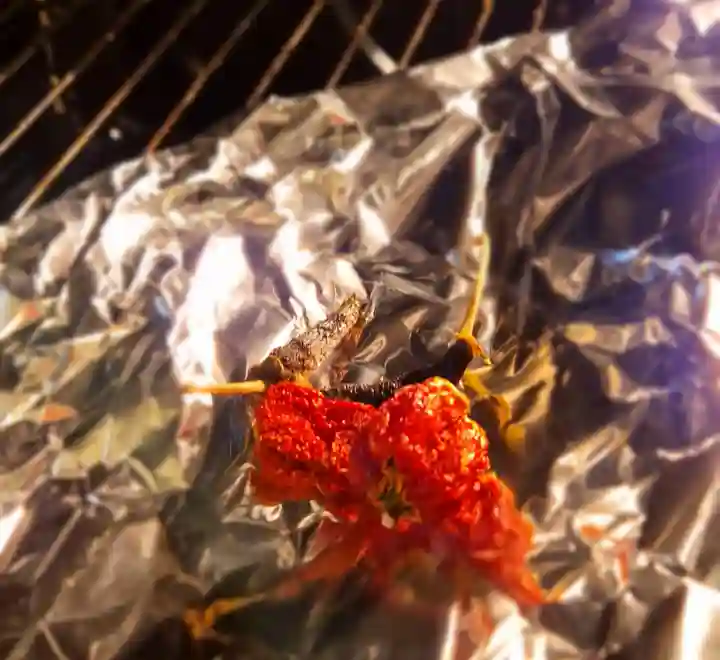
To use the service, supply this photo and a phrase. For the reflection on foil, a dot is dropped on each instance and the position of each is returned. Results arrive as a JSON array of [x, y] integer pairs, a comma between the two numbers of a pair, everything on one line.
[[591, 168], [712, 312]]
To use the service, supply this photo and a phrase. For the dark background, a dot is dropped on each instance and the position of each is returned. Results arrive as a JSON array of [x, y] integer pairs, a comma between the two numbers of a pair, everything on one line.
[[44, 38]]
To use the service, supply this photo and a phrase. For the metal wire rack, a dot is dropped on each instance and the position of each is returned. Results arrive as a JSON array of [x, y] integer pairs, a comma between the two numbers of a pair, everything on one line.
[[86, 83]]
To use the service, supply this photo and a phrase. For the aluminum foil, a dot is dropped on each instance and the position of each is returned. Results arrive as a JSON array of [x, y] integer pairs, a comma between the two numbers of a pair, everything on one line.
[[585, 155]]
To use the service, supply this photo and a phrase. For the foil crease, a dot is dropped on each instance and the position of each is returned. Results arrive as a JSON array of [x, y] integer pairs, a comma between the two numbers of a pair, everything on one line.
[[585, 156]]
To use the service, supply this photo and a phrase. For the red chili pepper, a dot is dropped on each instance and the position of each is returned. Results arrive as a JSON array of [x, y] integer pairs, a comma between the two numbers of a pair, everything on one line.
[[410, 475]]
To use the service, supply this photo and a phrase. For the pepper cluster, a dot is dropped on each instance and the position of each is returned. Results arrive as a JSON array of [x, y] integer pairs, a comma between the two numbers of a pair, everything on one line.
[[412, 474]]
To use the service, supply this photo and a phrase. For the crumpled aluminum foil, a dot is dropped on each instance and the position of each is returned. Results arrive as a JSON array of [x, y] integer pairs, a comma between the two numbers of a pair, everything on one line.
[[584, 155]]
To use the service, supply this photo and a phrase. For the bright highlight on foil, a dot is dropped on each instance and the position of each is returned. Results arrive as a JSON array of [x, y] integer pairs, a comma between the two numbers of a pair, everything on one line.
[[216, 290], [712, 314]]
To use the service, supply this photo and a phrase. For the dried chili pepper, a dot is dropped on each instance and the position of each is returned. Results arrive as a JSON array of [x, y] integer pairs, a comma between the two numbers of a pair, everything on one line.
[[399, 465], [413, 473]]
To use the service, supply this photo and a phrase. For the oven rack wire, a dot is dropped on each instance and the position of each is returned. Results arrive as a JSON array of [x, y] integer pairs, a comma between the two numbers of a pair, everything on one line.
[[86, 83]]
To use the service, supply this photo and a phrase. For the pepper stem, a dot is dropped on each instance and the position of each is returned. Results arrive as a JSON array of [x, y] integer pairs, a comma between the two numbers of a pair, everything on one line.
[[513, 435], [466, 332], [228, 389], [201, 622]]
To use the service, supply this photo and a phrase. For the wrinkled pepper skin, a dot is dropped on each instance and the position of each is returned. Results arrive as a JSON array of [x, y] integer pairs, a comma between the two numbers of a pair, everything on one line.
[[412, 474]]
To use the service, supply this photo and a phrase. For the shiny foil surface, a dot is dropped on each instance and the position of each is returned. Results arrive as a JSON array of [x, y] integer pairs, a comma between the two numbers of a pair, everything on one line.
[[589, 158]]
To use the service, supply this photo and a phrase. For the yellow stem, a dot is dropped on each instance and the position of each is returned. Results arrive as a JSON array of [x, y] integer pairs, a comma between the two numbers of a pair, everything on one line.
[[228, 389]]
